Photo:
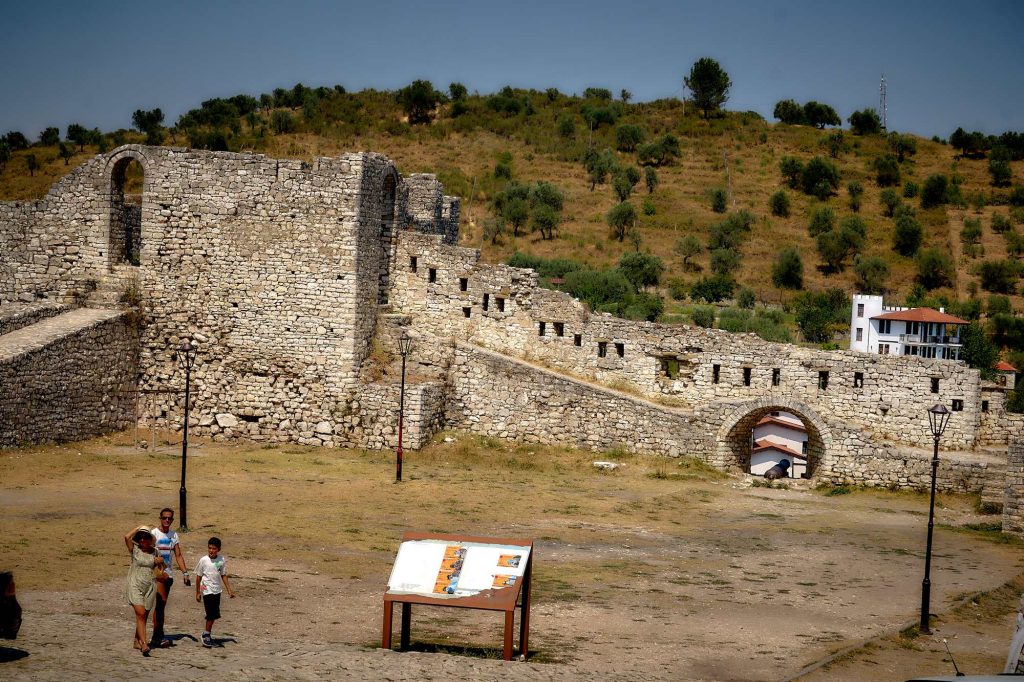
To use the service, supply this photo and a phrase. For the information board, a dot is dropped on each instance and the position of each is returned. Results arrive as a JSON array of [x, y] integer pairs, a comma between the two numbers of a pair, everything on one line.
[[440, 568]]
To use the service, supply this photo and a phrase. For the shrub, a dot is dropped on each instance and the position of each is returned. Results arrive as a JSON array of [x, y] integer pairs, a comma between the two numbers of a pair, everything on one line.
[[887, 171], [621, 219], [598, 288], [819, 314], [567, 126], [677, 289], [767, 324], [910, 189], [791, 169], [641, 269], [718, 200], [628, 137], [856, 191], [1000, 223], [712, 289], [1014, 243], [906, 238], [865, 122], [890, 200], [998, 304], [934, 269], [871, 274], [822, 220], [704, 316], [651, 179], [971, 231], [998, 276], [725, 261], [819, 178], [779, 204], [648, 207], [788, 269], [935, 191], [745, 298]]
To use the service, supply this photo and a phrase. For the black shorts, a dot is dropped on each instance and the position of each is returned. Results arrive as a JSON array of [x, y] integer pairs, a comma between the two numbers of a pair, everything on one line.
[[212, 604]]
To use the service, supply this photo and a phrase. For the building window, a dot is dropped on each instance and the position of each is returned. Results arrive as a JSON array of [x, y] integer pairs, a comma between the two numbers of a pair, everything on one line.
[[984, 406], [860, 310], [776, 376], [620, 350], [501, 304], [858, 379], [670, 367], [860, 333], [541, 328], [746, 376], [883, 349], [958, 406], [432, 274], [935, 385], [412, 263], [716, 371], [559, 328], [487, 302], [885, 326], [577, 339], [466, 311], [463, 284], [602, 349], [823, 380]]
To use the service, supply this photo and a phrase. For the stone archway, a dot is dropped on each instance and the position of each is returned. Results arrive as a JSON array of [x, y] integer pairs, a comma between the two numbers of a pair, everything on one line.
[[127, 174], [734, 436]]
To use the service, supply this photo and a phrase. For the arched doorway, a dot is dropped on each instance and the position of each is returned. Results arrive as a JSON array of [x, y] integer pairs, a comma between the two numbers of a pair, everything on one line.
[[388, 234], [736, 444], [127, 178]]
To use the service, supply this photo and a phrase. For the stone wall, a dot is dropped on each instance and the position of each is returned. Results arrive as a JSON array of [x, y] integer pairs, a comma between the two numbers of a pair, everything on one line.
[[79, 386], [1013, 502], [451, 294], [17, 315]]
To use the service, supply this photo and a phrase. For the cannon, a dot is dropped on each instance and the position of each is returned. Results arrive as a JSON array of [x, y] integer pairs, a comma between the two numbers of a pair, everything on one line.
[[780, 470], [10, 609]]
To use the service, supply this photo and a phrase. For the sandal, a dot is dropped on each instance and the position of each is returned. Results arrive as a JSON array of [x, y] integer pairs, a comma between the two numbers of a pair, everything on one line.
[[145, 652]]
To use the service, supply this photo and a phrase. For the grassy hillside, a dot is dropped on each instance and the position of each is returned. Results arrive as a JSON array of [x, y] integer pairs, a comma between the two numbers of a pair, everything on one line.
[[736, 152]]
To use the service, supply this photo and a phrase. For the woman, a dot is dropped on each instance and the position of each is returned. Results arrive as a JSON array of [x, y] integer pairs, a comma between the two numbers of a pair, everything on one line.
[[141, 580]]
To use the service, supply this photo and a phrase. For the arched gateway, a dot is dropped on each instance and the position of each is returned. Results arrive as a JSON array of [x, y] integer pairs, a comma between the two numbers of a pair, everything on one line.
[[734, 436]]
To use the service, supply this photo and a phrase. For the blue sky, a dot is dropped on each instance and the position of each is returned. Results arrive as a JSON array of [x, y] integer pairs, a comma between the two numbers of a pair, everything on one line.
[[947, 64]]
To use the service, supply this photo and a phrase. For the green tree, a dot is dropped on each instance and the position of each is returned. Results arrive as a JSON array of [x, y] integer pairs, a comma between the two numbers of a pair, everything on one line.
[[746, 298], [998, 304], [725, 261], [835, 246], [5, 154], [871, 274], [32, 164], [971, 232], [978, 350], [718, 200], [151, 123], [887, 171], [660, 152], [819, 178], [907, 235], [998, 276], [788, 111], [686, 248], [512, 204], [598, 165], [282, 122], [822, 220], [628, 137], [49, 137], [625, 95], [545, 219], [856, 191], [836, 144], [457, 91], [779, 204], [567, 127], [16, 140], [78, 134], [651, 179], [791, 168], [643, 270], [935, 191], [820, 115], [493, 229], [622, 218], [622, 187], [704, 316], [712, 289], [910, 189], [418, 100], [934, 269], [865, 122], [709, 84], [890, 201], [66, 152], [788, 269], [819, 314], [902, 145], [1000, 223], [999, 167]]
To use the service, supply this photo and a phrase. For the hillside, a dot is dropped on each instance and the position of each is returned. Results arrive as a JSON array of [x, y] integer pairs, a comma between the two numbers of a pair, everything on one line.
[[736, 152]]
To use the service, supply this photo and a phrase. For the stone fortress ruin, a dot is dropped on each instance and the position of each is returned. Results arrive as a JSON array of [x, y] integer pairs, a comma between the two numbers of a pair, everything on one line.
[[295, 280]]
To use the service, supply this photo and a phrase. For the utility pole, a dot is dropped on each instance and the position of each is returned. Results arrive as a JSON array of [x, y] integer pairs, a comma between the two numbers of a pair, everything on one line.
[[882, 105]]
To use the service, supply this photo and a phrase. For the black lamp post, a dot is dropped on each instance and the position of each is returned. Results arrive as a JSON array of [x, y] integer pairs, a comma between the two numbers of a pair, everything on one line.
[[404, 346], [186, 358], [938, 418]]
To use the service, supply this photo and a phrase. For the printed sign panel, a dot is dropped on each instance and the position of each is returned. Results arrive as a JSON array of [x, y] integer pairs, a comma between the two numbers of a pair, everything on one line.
[[441, 568]]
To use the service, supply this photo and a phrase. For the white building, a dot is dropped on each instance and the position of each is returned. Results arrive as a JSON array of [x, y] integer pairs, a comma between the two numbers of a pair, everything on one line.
[[779, 436], [889, 330]]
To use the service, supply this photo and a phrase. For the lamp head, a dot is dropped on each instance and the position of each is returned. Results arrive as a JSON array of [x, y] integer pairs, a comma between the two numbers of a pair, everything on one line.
[[938, 418], [404, 344], [187, 352]]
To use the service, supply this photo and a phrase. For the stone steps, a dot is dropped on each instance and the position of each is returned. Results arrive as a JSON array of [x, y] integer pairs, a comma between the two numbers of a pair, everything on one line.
[[17, 315], [47, 331]]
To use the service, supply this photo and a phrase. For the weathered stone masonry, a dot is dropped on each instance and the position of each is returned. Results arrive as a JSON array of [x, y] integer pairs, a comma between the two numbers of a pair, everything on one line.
[[278, 269]]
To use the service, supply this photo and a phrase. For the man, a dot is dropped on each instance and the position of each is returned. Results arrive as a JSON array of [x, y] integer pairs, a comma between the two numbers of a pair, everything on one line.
[[10, 610], [169, 548]]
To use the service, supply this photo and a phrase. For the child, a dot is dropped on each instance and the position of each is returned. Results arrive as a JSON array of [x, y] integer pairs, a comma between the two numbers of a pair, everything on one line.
[[211, 581]]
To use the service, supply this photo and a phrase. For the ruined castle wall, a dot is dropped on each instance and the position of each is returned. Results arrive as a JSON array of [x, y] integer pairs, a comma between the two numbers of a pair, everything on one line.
[[76, 387], [888, 399], [1013, 502]]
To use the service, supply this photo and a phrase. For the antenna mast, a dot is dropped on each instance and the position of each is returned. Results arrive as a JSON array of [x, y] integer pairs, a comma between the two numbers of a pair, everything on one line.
[[882, 107]]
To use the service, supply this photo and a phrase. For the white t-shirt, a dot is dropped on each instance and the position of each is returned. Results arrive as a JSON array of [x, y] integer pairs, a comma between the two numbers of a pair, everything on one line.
[[208, 573], [165, 544]]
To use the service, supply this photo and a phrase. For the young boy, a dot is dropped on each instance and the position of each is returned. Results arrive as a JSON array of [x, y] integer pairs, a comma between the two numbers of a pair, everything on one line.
[[211, 580]]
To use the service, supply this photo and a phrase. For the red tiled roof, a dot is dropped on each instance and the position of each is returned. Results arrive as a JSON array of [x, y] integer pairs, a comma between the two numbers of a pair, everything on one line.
[[1004, 366], [768, 445], [921, 315], [775, 420]]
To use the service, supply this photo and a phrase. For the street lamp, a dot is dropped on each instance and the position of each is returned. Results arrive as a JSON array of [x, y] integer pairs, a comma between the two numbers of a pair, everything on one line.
[[938, 418], [404, 346], [186, 359]]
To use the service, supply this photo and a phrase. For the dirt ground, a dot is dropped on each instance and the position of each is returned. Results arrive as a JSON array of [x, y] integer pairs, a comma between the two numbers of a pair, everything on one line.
[[659, 570]]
